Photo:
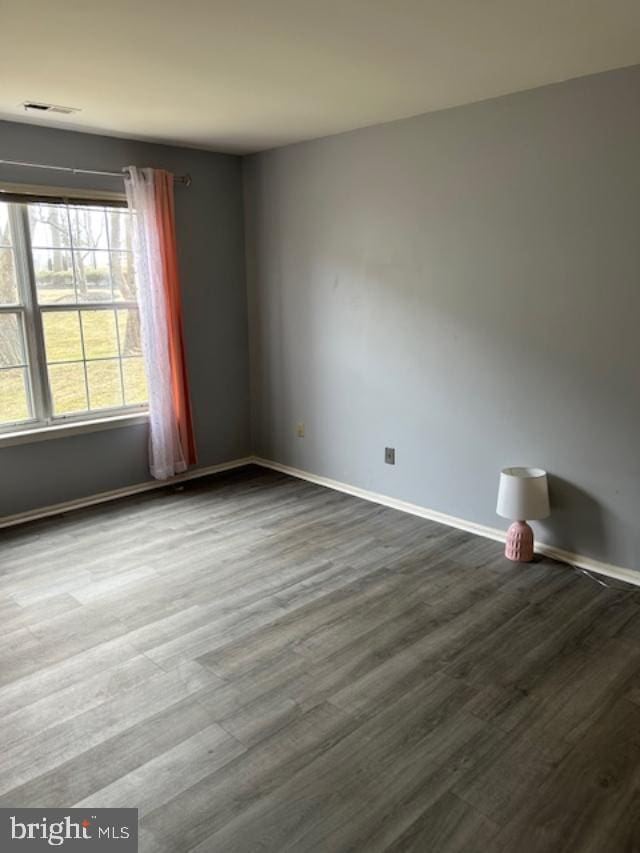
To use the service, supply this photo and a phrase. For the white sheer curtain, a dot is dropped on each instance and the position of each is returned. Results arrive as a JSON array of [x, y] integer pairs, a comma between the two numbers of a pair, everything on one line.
[[166, 456]]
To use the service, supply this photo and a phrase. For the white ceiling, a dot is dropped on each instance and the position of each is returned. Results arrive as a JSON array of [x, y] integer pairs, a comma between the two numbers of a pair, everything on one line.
[[244, 75]]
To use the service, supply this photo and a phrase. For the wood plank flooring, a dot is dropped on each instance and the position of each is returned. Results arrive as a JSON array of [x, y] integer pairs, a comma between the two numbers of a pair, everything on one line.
[[260, 664]]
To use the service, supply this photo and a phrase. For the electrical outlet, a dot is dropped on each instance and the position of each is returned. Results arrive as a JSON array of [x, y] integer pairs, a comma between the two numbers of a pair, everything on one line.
[[390, 455], [300, 429]]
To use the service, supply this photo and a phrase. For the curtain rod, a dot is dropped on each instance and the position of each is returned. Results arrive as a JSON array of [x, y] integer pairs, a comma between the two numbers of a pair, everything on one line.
[[183, 179]]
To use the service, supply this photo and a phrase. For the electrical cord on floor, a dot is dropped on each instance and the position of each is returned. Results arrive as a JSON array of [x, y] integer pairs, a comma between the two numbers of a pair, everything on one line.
[[588, 574], [580, 571]]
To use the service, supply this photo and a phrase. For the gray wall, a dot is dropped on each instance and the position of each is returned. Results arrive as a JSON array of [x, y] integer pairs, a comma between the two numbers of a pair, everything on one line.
[[463, 286], [209, 224]]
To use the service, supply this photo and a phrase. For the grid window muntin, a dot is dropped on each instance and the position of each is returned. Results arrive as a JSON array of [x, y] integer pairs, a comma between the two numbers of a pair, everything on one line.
[[76, 248], [14, 366], [110, 383]]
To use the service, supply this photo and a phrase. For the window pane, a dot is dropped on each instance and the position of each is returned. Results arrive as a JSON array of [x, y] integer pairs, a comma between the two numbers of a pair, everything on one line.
[[129, 330], [88, 227], [80, 254], [12, 352], [54, 276], [62, 335], [49, 226], [99, 333], [93, 275], [8, 280], [5, 228], [120, 234], [135, 383], [14, 395], [123, 277], [67, 388], [105, 390]]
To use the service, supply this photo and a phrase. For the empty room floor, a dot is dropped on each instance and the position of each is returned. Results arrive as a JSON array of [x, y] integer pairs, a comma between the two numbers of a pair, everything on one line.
[[259, 663]]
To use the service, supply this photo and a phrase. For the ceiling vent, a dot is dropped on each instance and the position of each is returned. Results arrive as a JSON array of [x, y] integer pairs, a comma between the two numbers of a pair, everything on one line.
[[39, 107]]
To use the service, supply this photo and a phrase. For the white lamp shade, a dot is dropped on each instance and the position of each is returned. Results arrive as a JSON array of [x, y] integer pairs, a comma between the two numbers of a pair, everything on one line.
[[523, 494]]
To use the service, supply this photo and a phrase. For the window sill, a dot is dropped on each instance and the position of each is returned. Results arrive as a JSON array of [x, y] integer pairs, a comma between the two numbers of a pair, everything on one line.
[[26, 436]]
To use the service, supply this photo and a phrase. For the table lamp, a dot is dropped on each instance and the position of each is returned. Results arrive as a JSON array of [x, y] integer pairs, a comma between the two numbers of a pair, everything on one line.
[[523, 493]]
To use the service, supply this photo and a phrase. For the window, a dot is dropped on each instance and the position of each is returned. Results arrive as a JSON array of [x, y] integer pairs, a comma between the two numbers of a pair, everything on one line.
[[70, 344]]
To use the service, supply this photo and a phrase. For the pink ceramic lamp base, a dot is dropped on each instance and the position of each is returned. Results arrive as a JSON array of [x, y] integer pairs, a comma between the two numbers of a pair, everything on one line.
[[519, 545]]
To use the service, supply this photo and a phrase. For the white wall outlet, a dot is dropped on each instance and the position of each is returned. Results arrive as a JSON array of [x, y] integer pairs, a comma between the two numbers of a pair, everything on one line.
[[300, 429]]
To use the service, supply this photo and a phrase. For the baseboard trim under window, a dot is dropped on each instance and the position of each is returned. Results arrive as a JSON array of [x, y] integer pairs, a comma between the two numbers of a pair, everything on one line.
[[114, 494]]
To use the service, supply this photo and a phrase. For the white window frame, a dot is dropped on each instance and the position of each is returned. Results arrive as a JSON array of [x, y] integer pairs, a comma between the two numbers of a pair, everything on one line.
[[44, 422]]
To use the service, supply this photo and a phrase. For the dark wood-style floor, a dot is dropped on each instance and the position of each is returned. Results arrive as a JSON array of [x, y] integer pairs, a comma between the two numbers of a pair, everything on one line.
[[261, 664]]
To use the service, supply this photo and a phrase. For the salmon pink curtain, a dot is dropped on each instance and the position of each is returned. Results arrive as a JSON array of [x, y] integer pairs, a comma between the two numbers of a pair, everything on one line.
[[150, 198]]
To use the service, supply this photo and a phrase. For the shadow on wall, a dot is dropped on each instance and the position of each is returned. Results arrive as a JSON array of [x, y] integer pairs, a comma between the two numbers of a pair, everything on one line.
[[577, 522]]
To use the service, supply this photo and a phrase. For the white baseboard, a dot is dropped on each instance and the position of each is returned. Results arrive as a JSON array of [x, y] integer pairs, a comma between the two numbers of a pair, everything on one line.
[[616, 572], [103, 497]]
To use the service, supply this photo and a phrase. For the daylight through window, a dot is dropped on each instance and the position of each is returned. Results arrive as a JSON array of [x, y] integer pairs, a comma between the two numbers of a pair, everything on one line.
[[70, 343]]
